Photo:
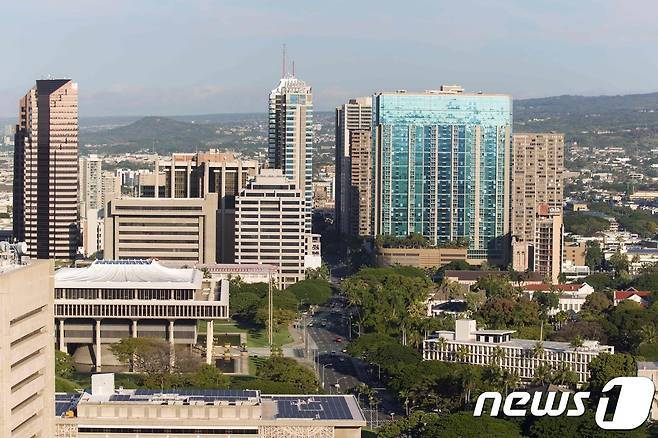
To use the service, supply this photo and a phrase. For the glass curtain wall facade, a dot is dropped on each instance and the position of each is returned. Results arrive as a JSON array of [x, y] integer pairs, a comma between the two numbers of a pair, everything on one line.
[[442, 168]]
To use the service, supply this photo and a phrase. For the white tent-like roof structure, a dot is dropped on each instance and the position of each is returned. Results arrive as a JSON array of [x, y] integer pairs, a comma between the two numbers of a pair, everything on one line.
[[128, 274]]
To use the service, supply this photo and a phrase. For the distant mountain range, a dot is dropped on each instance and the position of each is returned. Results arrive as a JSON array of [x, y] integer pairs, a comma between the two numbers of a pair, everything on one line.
[[625, 120]]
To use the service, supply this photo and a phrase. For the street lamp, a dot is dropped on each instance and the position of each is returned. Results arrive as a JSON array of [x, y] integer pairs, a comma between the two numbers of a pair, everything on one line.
[[338, 382], [323, 367]]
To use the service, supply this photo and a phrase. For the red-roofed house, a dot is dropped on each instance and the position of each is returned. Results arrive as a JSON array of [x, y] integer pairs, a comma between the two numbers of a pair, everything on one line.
[[571, 296], [639, 296]]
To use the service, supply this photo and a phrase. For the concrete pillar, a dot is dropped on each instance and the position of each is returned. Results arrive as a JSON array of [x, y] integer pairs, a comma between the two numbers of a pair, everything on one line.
[[99, 362], [210, 341], [62, 343], [172, 351], [171, 331], [206, 175], [189, 174], [134, 328]]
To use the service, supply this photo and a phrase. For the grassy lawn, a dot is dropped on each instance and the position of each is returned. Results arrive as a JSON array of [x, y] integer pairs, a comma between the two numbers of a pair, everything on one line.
[[256, 335]]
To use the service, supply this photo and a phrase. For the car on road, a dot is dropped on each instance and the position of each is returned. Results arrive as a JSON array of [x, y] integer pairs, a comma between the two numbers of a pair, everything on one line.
[[310, 324], [338, 340], [333, 353], [344, 350]]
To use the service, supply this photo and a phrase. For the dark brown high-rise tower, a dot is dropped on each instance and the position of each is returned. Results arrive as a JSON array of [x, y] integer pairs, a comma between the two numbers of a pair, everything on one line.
[[46, 170]]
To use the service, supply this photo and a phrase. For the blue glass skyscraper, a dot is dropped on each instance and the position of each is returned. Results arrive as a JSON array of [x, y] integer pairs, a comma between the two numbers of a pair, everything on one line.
[[442, 167]]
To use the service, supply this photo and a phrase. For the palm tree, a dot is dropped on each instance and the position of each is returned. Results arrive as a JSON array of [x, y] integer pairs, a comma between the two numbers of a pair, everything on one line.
[[468, 379], [462, 353], [538, 349], [510, 380], [442, 344], [497, 355], [543, 374], [564, 376], [577, 343], [405, 395]]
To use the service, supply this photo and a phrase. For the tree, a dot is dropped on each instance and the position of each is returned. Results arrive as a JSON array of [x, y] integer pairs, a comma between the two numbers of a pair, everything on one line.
[[593, 255], [209, 377], [546, 302], [462, 353], [320, 273], [619, 263], [604, 367], [287, 370], [311, 291], [595, 304], [543, 374], [538, 350], [497, 355], [64, 365], [155, 358], [576, 343], [496, 286]]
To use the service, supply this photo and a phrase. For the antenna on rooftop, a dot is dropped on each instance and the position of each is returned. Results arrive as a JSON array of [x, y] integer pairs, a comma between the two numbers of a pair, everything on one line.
[[293, 68], [283, 63]]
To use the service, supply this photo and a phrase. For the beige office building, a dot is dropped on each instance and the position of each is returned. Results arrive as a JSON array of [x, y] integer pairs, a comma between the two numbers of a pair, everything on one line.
[[537, 181], [269, 225], [46, 156], [354, 166], [194, 175], [106, 412], [175, 231], [27, 380]]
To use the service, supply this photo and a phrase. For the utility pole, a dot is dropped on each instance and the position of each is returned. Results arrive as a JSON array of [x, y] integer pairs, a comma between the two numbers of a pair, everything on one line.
[[270, 318]]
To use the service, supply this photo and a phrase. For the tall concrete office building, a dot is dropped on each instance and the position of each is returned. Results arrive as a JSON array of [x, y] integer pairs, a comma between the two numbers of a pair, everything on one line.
[[194, 175], [354, 166], [290, 137], [269, 225], [46, 159], [537, 196], [442, 166], [176, 231], [91, 184], [27, 380]]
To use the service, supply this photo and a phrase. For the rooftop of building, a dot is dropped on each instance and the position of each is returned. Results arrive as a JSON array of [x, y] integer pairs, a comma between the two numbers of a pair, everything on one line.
[[545, 287], [236, 268], [291, 84], [12, 256], [120, 274], [274, 407], [525, 344], [444, 90], [624, 294], [650, 366]]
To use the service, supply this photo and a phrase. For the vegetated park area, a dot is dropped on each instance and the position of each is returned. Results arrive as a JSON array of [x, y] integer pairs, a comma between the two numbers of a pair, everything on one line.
[[153, 367], [439, 397]]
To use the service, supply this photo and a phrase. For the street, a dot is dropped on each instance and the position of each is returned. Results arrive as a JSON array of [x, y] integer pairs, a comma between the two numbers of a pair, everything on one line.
[[340, 372]]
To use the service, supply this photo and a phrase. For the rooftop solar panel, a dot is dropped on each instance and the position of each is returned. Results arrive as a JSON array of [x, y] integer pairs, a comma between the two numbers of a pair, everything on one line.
[[323, 408]]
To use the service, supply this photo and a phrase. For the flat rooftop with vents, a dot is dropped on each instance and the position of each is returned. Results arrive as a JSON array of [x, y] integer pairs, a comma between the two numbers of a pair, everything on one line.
[[106, 411]]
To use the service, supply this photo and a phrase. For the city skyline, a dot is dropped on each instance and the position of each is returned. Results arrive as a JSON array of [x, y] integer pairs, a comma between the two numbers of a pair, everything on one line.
[[160, 64]]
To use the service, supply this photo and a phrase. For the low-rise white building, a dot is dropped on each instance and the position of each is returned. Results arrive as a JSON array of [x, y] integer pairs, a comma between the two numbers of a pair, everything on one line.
[[469, 345], [571, 297]]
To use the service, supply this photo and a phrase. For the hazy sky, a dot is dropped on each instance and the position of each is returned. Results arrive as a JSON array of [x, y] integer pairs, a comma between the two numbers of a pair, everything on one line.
[[169, 57]]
